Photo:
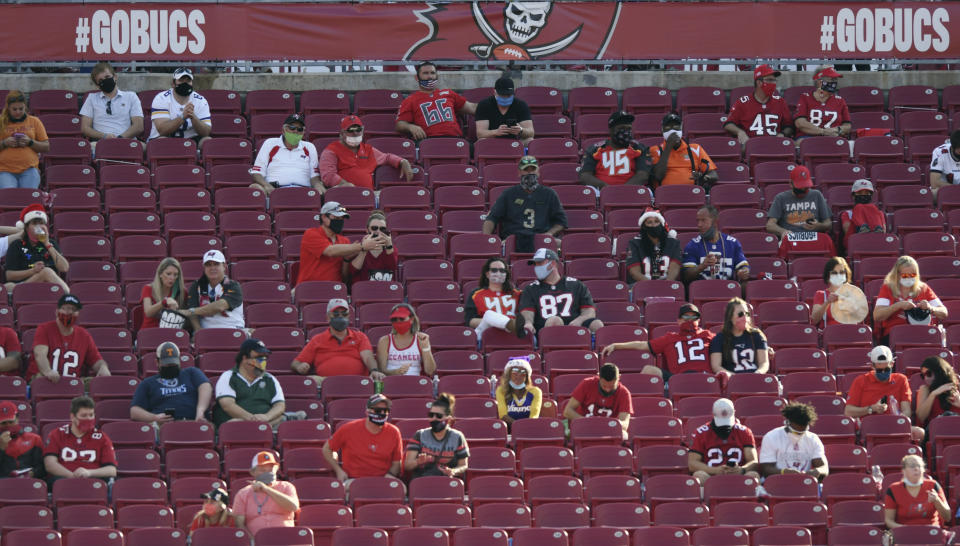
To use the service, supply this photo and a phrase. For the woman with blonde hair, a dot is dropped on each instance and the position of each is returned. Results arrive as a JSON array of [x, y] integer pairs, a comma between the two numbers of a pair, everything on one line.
[[916, 499], [380, 263], [905, 299], [740, 347], [22, 140], [405, 350], [166, 291], [215, 512], [517, 397]]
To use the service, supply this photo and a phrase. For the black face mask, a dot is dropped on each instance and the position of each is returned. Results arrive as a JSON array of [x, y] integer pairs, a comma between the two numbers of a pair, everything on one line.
[[829, 87], [184, 89], [529, 182], [862, 199], [107, 85], [800, 192], [657, 232], [622, 137], [438, 426], [339, 323], [170, 371], [336, 225], [17, 120], [723, 432]]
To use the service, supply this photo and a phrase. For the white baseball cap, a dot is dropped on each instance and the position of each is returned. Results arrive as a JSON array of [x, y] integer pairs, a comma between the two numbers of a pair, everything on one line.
[[862, 184], [214, 256], [337, 303], [723, 413], [181, 72], [881, 353]]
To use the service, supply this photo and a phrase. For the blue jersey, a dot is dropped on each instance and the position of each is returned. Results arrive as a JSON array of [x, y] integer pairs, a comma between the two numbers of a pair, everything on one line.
[[730, 256], [179, 394]]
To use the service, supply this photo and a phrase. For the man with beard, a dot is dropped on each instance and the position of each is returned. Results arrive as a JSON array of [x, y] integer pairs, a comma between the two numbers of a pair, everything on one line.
[[527, 208], [676, 161], [555, 300], [617, 161], [179, 112], [63, 349], [823, 112], [762, 112], [655, 252], [324, 252], [429, 112], [340, 350], [175, 393], [713, 255], [722, 446], [248, 392], [684, 351], [601, 396]]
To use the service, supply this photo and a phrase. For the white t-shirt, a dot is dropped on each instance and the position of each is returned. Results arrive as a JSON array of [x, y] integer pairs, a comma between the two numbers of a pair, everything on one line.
[[124, 106], [790, 450], [277, 163], [166, 107], [943, 162], [397, 358]]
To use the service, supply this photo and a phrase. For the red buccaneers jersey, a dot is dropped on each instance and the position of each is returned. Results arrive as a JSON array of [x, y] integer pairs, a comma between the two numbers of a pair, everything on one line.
[[435, 113], [484, 299], [832, 113], [91, 451], [9, 344], [806, 243], [616, 166], [594, 404], [717, 451], [758, 119], [70, 356], [684, 353]]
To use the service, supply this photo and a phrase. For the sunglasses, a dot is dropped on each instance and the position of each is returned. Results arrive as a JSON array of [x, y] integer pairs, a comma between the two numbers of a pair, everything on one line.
[[883, 370], [341, 315], [908, 275], [258, 359], [743, 314], [110, 107], [294, 128], [690, 317], [435, 415], [498, 270], [382, 229], [353, 131]]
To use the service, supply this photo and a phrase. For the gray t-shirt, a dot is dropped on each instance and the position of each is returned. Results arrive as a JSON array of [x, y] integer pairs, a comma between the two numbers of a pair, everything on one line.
[[447, 451], [792, 212]]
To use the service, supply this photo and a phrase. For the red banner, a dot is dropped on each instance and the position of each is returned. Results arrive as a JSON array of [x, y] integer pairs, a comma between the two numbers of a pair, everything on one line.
[[472, 31]]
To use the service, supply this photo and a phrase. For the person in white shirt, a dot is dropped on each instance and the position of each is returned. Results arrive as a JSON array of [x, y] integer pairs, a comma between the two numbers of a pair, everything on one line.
[[287, 160], [792, 448], [945, 164], [179, 112], [111, 113]]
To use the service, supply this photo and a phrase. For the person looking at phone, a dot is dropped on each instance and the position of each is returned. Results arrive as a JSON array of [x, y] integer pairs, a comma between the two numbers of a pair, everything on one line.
[[379, 263], [173, 394], [325, 253], [22, 140], [267, 501], [35, 257], [352, 162], [799, 209], [881, 391], [503, 115], [21, 452]]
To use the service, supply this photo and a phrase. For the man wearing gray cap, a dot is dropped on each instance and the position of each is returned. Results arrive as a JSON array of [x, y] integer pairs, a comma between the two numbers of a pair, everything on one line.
[[174, 393], [340, 350], [249, 392], [179, 112], [214, 300], [324, 251], [555, 300]]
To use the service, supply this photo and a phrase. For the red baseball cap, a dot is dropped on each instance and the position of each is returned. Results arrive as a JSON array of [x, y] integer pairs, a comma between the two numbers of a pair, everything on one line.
[[827, 72], [763, 71], [8, 410], [349, 122], [400, 312], [800, 176]]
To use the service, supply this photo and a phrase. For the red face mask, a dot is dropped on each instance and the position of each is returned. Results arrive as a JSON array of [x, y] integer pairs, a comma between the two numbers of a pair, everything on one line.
[[769, 88], [66, 319], [402, 327], [688, 327], [13, 429], [85, 425], [211, 509]]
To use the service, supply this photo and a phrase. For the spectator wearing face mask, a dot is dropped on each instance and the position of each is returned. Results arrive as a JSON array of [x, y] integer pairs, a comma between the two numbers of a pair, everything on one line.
[[179, 112], [654, 252], [80, 436], [865, 216], [503, 115], [351, 162], [175, 393], [945, 163], [722, 446], [215, 512], [21, 452], [881, 390], [762, 112], [324, 252], [823, 112], [905, 299], [677, 161], [494, 302], [619, 160], [248, 392], [287, 160], [527, 208], [800, 209], [340, 350], [366, 447], [111, 113], [267, 501], [431, 110], [439, 450], [555, 300], [405, 350], [517, 397], [836, 274], [61, 348], [793, 448]]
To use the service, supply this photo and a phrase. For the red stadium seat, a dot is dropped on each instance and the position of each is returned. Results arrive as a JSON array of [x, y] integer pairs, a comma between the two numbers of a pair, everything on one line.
[[687, 515]]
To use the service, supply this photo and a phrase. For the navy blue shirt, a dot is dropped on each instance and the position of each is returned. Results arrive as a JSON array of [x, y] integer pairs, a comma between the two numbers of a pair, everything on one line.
[[157, 395]]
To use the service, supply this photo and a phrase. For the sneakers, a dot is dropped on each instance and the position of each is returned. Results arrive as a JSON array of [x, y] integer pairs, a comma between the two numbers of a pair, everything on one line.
[[294, 415]]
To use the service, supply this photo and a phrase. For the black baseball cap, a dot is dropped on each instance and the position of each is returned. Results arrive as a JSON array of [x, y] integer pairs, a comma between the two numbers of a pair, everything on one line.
[[504, 87], [620, 118], [670, 119], [294, 118], [688, 308], [217, 495], [251, 345], [376, 399], [69, 299]]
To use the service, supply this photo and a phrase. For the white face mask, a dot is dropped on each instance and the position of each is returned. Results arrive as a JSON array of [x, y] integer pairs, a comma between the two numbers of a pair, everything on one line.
[[912, 484], [354, 140], [498, 278], [542, 271], [666, 134], [908, 282], [837, 279]]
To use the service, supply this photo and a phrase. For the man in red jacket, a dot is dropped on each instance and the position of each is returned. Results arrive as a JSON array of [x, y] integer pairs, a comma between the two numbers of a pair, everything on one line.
[[351, 162]]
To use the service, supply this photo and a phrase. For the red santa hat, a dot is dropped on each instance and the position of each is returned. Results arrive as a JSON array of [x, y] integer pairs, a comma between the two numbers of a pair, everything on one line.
[[31, 212], [654, 213]]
